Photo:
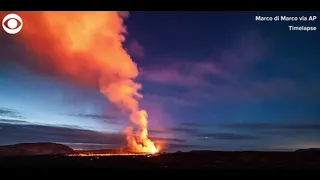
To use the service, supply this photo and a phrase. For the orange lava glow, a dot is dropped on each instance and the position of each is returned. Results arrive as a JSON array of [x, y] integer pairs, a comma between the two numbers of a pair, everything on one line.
[[106, 154], [87, 47]]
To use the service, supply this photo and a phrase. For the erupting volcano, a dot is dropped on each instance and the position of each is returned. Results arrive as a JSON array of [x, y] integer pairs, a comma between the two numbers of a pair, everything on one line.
[[86, 47]]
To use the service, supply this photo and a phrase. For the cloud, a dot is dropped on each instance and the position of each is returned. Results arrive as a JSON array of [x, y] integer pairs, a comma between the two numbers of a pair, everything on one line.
[[254, 90], [174, 130], [248, 90], [135, 48], [188, 131], [94, 116], [279, 133], [182, 73], [275, 87], [4, 112], [13, 121], [14, 133], [168, 139], [158, 117], [221, 76], [192, 124], [88, 146], [176, 134], [27, 132], [22, 131], [199, 89], [193, 130], [227, 136], [106, 118], [250, 47], [169, 98], [275, 126], [246, 134], [222, 65]]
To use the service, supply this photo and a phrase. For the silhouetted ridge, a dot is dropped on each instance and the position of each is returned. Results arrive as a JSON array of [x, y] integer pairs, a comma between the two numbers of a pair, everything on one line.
[[309, 150], [44, 148]]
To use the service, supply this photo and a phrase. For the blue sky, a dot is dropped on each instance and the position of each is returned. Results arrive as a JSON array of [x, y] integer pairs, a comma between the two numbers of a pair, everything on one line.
[[211, 80]]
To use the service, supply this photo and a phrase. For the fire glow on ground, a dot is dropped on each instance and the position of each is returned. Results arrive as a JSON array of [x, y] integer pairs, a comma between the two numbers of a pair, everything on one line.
[[112, 154], [102, 154]]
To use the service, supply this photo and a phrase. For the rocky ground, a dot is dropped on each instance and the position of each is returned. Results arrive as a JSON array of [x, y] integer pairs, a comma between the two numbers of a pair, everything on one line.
[[200, 159], [41, 157]]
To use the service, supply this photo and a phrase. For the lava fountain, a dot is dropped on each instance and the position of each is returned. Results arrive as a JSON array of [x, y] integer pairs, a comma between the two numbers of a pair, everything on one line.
[[86, 47]]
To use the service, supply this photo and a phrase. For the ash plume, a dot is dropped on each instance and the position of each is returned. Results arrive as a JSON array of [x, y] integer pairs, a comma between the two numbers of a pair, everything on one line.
[[86, 47]]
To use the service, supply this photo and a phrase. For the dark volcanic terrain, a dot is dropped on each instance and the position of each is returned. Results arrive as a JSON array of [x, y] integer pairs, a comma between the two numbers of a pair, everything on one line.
[[198, 159], [193, 159]]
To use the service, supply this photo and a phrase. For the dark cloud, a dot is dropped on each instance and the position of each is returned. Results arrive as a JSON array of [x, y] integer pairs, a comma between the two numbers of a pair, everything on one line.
[[89, 146], [14, 133], [275, 126], [80, 138], [222, 76], [227, 136], [188, 131], [168, 139], [95, 116], [194, 132], [13, 121], [5, 112], [135, 48], [246, 133], [184, 130], [105, 118], [191, 124], [224, 65], [68, 126], [282, 131]]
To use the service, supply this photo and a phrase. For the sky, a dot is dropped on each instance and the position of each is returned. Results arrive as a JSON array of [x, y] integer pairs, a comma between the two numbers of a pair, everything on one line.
[[210, 80]]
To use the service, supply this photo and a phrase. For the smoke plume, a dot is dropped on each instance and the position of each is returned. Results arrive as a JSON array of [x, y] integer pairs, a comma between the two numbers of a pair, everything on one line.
[[87, 47]]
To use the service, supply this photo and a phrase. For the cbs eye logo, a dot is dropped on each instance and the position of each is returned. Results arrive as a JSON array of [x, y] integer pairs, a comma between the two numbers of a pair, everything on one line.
[[12, 23]]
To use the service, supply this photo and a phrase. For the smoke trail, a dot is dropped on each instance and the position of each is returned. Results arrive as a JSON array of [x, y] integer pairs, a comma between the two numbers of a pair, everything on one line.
[[87, 47]]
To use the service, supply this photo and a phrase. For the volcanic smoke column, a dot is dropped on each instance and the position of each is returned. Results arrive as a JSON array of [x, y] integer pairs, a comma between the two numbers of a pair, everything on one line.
[[86, 48]]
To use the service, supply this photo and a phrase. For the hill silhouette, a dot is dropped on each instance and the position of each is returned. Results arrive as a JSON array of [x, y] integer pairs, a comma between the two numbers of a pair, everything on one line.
[[51, 155], [43, 148]]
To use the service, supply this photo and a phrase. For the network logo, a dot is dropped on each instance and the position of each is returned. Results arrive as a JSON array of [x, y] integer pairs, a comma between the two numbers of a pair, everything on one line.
[[12, 23]]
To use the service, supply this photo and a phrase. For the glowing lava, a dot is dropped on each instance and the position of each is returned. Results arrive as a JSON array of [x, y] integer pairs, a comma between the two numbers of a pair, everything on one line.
[[139, 141], [154, 150], [86, 47], [114, 152]]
